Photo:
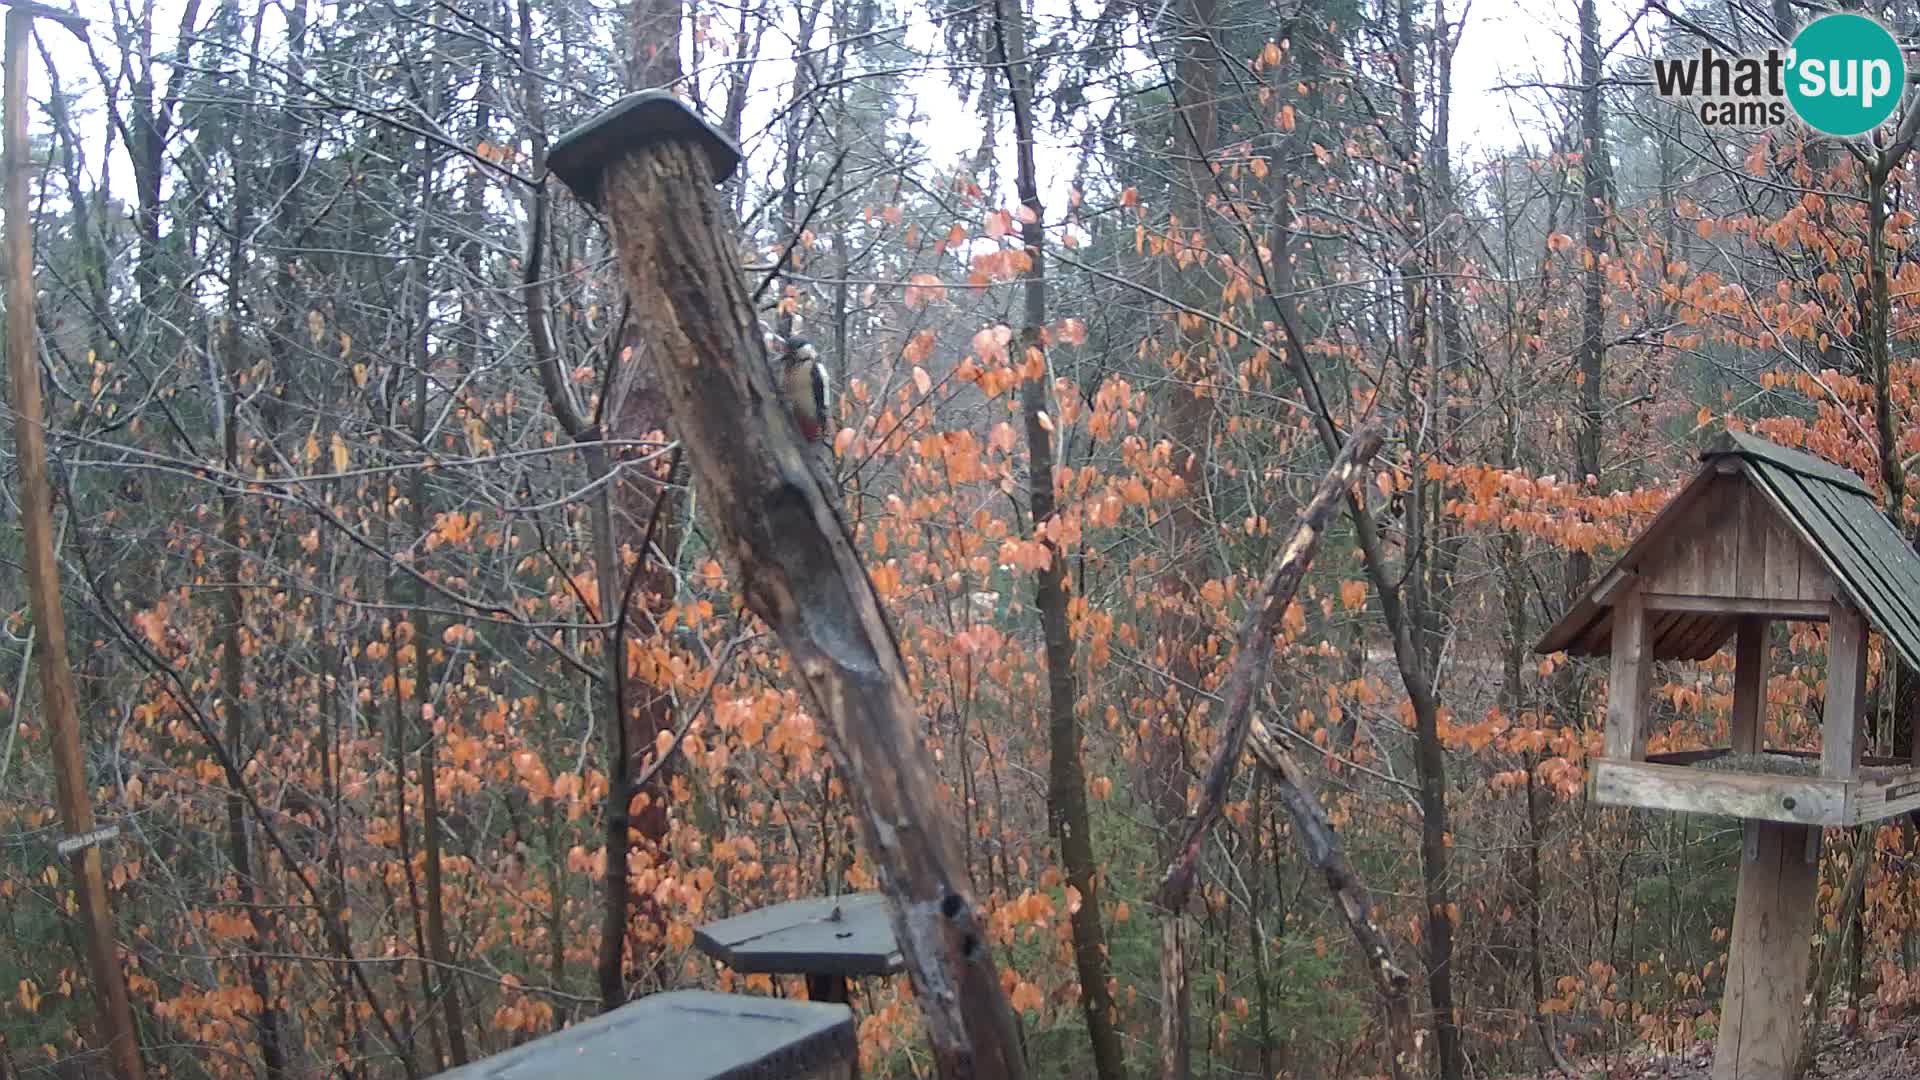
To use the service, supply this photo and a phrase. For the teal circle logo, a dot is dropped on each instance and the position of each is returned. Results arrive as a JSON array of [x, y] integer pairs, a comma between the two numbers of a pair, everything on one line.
[[1846, 74]]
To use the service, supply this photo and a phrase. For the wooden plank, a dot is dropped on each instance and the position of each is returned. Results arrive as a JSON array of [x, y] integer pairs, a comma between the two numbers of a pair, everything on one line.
[[1721, 542], [1684, 564], [1709, 633], [1802, 610], [687, 1035], [1767, 956], [1782, 575], [1871, 574], [1687, 757], [1845, 712], [1598, 637], [1811, 757], [1697, 637], [1805, 800], [1752, 516], [1665, 631], [1749, 685], [1611, 584], [1873, 801], [1630, 681]]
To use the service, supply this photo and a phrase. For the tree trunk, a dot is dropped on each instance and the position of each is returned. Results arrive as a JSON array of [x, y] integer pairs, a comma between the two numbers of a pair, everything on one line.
[[1066, 776], [266, 1020], [440, 983], [774, 513], [1183, 531]]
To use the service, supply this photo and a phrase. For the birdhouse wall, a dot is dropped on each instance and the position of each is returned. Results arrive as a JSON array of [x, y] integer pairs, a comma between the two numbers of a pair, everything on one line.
[[1732, 544]]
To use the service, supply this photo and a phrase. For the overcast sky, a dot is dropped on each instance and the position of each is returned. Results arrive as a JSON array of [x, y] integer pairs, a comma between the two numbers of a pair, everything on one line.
[[1506, 43]]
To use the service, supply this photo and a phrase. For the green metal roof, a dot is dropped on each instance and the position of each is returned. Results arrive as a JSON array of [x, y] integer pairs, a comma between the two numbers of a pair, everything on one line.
[[1833, 512]]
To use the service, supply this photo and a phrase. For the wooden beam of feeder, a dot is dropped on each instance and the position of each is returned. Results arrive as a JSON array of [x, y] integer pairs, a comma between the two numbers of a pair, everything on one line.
[[653, 173]]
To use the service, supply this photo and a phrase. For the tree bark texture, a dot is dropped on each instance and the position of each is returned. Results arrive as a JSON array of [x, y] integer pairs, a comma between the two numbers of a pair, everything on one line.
[[797, 569]]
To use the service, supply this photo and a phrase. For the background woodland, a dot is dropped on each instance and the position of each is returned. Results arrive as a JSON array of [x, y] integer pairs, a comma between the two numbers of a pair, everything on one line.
[[388, 599]]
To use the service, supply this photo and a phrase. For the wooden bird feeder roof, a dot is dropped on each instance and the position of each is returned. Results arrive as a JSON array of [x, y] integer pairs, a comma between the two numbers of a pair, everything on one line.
[[1756, 512], [846, 935], [582, 155], [686, 1035]]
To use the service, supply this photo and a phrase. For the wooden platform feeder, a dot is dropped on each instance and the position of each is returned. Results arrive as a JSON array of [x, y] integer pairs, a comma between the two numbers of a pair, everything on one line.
[[688, 1035], [827, 939], [1763, 533]]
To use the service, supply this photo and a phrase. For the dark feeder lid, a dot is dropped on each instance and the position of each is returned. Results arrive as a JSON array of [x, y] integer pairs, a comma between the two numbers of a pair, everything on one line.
[[847, 935], [684, 1035], [581, 156]]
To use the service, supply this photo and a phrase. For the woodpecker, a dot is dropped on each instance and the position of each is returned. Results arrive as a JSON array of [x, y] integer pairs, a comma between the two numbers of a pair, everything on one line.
[[803, 381]]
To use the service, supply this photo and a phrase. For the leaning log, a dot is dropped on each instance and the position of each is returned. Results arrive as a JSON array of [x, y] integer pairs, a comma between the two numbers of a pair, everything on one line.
[[1242, 728], [651, 165]]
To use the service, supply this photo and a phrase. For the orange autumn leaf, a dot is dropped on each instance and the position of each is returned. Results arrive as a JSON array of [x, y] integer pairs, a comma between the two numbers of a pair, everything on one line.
[[924, 288]]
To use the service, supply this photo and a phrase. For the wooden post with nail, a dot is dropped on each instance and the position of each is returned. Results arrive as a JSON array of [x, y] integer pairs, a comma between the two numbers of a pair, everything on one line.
[[651, 165], [58, 700]]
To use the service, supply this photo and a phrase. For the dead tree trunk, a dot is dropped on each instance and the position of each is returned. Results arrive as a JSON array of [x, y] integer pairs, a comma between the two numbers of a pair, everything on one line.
[[652, 165]]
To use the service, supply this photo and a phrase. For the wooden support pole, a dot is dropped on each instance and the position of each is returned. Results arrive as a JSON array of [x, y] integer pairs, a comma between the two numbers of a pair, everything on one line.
[[1629, 681], [58, 701], [651, 164], [1767, 957], [1840, 735], [1750, 685]]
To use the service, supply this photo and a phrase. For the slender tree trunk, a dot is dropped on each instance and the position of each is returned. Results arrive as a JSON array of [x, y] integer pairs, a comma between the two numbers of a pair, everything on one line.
[[799, 120], [1421, 611], [1066, 777], [441, 984], [1595, 198], [1183, 531], [643, 508], [232, 604]]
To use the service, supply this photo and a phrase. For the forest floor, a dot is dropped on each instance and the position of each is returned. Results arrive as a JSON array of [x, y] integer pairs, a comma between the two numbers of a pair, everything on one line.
[[1891, 1053]]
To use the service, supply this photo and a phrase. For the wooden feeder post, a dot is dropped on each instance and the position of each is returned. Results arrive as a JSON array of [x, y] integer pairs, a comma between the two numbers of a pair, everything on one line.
[[651, 165], [1762, 534]]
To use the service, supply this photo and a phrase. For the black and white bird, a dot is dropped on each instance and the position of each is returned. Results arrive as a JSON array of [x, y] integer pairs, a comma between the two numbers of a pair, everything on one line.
[[804, 382]]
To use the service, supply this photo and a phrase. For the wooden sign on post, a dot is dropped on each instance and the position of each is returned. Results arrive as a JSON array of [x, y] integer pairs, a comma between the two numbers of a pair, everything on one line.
[[651, 165]]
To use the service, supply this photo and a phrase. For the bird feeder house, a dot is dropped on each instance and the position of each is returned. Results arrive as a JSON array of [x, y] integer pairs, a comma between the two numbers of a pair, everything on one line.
[[688, 1035], [1762, 534]]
